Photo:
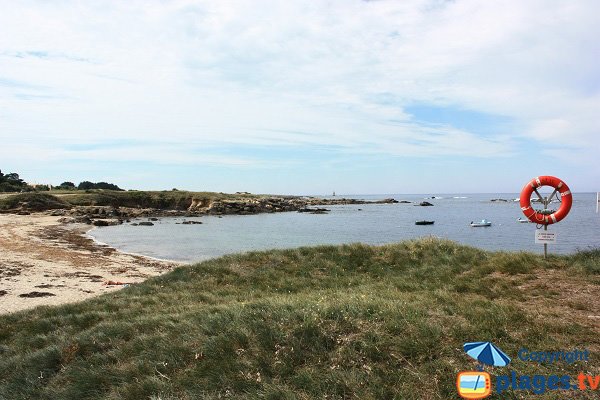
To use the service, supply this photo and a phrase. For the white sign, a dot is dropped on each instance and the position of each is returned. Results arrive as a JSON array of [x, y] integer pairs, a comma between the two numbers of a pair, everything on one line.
[[545, 237]]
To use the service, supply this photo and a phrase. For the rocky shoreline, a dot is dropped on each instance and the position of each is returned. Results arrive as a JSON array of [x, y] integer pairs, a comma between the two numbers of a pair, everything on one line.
[[114, 215]]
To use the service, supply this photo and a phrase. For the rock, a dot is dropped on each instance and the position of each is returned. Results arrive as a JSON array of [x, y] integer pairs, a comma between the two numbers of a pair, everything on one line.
[[23, 213], [389, 201], [3, 292], [314, 210], [83, 220], [404, 202], [425, 204], [58, 213], [152, 219], [37, 294], [67, 220], [100, 222], [191, 222], [145, 224], [134, 224]]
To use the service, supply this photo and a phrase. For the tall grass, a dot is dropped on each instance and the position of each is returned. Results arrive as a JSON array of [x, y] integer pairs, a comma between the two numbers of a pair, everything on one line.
[[175, 200], [329, 322]]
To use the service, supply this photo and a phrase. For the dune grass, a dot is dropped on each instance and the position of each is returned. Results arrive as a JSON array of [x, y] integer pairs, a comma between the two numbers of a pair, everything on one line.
[[173, 200], [329, 322], [35, 201]]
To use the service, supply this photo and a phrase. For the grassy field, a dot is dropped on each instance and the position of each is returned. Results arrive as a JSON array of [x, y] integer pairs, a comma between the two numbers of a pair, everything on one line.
[[331, 322], [174, 200]]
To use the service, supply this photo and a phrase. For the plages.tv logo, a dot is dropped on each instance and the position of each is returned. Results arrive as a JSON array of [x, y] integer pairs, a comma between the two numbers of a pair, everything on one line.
[[478, 384], [473, 384]]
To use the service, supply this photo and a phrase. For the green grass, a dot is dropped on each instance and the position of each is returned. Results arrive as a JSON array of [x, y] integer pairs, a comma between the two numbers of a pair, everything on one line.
[[174, 200], [33, 201], [329, 322]]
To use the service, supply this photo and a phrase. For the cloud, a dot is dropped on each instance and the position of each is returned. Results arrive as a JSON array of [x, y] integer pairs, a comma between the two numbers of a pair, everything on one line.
[[341, 74]]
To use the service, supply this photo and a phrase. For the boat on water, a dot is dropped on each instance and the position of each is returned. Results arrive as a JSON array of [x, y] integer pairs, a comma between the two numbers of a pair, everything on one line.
[[481, 223], [523, 220], [424, 222]]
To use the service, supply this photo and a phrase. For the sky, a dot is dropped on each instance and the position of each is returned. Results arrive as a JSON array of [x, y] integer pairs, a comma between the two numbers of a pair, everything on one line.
[[302, 97]]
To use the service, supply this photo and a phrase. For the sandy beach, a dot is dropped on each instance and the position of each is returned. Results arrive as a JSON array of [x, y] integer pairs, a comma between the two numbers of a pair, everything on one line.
[[46, 262]]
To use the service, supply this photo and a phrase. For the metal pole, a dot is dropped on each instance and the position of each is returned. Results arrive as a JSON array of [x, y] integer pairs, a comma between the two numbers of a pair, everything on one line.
[[545, 229], [545, 244]]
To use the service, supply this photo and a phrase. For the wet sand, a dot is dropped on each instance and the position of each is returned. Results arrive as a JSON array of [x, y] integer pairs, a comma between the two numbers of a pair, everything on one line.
[[45, 262]]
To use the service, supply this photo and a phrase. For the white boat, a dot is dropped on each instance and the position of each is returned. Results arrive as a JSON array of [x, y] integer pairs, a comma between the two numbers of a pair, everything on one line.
[[483, 222], [523, 220]]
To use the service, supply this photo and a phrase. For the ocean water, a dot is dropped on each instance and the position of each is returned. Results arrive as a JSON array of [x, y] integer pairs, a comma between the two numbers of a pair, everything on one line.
[[373, 224]]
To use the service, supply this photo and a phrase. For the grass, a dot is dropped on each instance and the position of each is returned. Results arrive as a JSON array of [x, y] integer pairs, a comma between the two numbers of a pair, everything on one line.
[[174, 200], [329, 322], [34, 201]]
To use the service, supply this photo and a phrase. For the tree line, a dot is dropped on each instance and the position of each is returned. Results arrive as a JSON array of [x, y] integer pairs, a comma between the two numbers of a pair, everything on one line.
[[11, 182]]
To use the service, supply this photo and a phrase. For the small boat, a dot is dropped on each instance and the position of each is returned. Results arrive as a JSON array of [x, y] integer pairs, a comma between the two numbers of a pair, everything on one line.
[[424, 222], [483, 222], [523, 220]]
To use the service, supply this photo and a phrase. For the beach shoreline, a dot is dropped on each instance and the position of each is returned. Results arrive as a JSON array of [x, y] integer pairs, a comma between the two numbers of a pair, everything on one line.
[[46, 262]]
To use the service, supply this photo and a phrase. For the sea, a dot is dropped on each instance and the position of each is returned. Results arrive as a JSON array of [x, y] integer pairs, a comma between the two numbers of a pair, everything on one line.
[[374, 224]]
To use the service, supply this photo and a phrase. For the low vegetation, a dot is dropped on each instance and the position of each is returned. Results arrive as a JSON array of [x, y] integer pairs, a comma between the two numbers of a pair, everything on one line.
[[162, 200], [32, 201], [329, 322], [173, 200]]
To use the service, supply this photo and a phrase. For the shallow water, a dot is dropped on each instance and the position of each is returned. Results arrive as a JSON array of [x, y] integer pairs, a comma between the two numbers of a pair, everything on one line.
[[373, 224]]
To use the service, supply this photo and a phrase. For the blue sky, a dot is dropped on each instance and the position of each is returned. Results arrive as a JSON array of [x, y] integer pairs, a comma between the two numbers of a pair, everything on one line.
[[416, 96]]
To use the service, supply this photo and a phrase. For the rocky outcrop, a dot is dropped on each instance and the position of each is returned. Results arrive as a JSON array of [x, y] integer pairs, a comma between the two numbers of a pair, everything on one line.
[[240, 206], [425, 204], [107, 222], [199, 204], [279, 204], [314, 210], [254, 206]]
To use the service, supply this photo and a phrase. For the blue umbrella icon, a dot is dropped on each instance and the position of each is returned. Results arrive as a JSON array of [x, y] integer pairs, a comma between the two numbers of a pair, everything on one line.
[[487, 353]]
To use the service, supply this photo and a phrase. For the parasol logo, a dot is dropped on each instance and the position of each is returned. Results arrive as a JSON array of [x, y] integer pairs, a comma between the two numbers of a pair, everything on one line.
[[487, 353], [478, 384]]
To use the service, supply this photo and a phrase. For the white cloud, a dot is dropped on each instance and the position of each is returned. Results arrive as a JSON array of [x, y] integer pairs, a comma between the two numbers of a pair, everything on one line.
[[262, 72]]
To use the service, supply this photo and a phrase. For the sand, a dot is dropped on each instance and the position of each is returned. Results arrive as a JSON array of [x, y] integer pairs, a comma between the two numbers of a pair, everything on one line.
[[45, 262]]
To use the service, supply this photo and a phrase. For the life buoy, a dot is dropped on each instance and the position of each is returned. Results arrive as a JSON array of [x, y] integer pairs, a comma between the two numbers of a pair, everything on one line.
[[546, 219]]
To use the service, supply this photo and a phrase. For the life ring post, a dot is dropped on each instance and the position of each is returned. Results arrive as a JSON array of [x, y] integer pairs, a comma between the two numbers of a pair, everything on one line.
[[546, 217]]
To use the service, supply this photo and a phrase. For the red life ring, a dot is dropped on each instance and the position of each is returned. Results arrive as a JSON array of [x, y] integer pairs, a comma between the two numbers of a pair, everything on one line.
[[537, 217]]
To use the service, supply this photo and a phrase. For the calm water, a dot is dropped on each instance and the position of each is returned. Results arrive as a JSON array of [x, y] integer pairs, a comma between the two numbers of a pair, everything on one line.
[[373, 224]]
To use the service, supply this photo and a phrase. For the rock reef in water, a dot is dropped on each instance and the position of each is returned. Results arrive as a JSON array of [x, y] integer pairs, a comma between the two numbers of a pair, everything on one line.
[[274, 204], [425, 204]]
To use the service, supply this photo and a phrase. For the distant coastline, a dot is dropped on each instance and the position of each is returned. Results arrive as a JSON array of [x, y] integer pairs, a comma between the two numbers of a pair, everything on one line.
[[114, 207]]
